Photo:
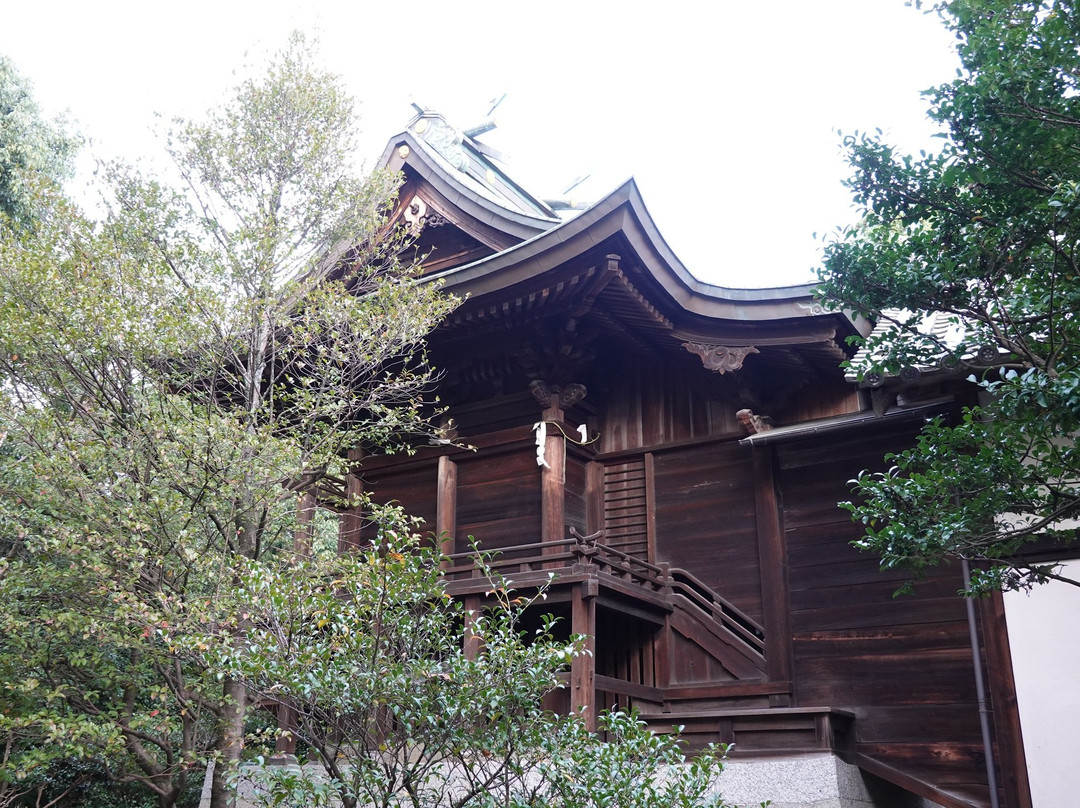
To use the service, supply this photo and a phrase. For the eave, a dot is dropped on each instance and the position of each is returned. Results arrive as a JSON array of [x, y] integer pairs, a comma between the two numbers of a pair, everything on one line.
[[696, 311]]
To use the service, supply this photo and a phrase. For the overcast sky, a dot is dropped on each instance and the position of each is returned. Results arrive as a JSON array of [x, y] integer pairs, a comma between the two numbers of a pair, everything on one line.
[[725, 112]]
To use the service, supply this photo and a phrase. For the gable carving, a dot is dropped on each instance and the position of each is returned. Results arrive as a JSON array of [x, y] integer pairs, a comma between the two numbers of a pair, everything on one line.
[[719, 358], [445, 139]]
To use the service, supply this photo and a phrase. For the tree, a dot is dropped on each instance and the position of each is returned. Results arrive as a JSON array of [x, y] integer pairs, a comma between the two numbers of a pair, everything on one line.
[[985, 232], [401, 699], [179, 373], [30, 147]]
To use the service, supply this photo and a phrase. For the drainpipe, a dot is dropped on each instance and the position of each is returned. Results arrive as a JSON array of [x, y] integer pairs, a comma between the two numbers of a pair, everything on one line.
[[980, 689]]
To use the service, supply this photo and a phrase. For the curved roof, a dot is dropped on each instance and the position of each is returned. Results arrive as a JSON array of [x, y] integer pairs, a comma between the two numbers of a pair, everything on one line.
[[465, 174], [623, 217], [468, 175]]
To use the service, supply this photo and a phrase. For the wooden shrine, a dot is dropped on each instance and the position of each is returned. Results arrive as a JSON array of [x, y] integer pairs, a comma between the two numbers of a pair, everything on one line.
[[673, 452]]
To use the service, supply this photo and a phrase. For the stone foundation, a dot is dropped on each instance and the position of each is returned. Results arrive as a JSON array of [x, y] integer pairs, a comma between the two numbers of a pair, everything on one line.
[[815, 781]]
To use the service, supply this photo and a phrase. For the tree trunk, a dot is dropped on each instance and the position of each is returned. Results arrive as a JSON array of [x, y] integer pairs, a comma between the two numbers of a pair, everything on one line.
[[230, 744]]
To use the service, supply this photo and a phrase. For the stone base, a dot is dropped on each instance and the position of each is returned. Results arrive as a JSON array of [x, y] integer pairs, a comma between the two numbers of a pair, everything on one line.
[[807, 781], [810, 781]]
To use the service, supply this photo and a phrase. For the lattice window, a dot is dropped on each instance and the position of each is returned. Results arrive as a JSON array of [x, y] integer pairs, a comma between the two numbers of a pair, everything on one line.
[[626, 508]]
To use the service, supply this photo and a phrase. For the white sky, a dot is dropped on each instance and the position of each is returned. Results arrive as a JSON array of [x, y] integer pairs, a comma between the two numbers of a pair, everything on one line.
[[725, 112]]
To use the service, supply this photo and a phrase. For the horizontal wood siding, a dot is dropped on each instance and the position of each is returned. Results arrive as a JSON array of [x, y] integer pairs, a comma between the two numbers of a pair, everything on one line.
[[901, 663], [625, 511], [414, 488], [706, 522], [498, 499]]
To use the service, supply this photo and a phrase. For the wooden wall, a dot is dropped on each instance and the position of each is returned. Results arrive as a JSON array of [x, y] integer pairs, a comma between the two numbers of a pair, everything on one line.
[[705, 519], [691, 664], [498, 498], [653, 404], [413, 486], [902, 663], [826, 398], [497, 495]]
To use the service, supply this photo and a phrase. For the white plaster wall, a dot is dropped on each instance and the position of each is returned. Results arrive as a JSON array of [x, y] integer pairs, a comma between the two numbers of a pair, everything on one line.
[[1044, 638]]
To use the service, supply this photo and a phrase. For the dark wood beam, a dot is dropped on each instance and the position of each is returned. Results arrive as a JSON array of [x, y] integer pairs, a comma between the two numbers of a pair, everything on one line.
[[446, 507], [772, 555], [583, 666]]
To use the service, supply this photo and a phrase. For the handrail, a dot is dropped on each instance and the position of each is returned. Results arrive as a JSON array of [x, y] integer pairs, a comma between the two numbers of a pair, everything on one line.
[[622, 565], [504, 559], [471, 554], [733, 618], [583, 551], [682, 582]]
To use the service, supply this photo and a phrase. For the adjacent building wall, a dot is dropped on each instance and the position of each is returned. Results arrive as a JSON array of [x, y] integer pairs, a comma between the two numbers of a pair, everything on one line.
[[1044, 638]]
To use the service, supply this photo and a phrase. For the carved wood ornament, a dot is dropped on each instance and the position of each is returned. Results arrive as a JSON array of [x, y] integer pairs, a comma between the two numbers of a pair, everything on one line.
[[415, 213], [720, 358], [561, 397], [754, 424]]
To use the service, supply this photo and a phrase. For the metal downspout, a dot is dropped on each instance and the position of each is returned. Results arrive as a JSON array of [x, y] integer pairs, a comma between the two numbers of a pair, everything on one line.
[[980, 689]]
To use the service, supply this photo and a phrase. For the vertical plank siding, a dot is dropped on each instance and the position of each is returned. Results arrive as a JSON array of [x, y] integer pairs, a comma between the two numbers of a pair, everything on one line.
[[654, 405], [624, 648]]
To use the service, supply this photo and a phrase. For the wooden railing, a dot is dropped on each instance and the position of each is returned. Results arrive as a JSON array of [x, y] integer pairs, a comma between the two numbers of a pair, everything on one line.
[[515, 561], [528, 564], [718, 609], [624, 566]]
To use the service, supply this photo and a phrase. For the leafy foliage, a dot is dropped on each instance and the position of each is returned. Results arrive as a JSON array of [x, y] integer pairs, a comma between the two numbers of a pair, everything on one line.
[[985, 232], [402, 698], [177, 375], [631, 768], [31, 149]]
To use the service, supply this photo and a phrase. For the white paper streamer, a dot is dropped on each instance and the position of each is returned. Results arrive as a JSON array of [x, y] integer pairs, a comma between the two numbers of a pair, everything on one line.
[[583, 430], [541, 443]]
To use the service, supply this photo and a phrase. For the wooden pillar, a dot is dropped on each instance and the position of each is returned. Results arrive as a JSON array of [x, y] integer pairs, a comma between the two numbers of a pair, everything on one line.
[[594, 497], [662, 655], [446, 507], [305, 512], [352, 519], [552, 399], [285, 743], [553, 481], [472, 610], [772, 558], [650, 508], [583, 667]]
